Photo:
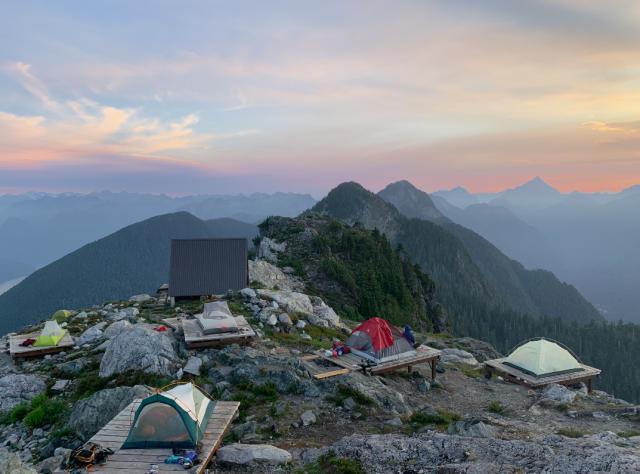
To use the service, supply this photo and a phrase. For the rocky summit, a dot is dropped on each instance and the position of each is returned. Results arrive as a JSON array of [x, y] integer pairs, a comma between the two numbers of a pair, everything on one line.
[[402, 422]]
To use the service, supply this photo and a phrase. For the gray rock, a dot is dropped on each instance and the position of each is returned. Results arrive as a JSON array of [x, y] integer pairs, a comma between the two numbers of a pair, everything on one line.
[[193, 366], [116, 328], [128, 313], [91, 414], [272, 320], [558, 393], [11, 463], [248, 293], [383, 395], [301, 324], [140, 349], [473, 427], [290, 301], [81, 315], [284, 319], [91, 335], [308, 418], [325, 313], [18, 388], [60, 385], [269, 249], [246, 454], [349, 403], [74, 366], [436, 452], [457, 356], [143, 298], [423, 385], [270, 276], [244, 429]]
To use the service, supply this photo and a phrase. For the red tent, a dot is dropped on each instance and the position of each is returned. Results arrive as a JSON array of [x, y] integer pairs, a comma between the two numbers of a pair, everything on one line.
[[377, 340]]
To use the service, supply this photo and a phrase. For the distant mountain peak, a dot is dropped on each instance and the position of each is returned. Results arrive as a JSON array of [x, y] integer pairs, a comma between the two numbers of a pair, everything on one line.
[[537, 184], [411, 201]]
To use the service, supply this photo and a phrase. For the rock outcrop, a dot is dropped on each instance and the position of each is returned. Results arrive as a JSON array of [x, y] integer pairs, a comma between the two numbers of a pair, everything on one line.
[[437, 452], [18, 388], [140, 349], [269, 276], [246, 454], [91, 414]]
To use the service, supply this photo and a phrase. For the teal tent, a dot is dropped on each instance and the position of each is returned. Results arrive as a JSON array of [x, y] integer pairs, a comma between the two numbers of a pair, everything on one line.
[[176, 418], [543, 358]]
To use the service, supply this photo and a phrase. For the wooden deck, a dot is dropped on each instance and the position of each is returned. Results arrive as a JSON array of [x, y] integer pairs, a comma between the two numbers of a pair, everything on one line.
[[138, 461], [319, 368], [352, 362], [511, 373], [16, 350], [194, 338]]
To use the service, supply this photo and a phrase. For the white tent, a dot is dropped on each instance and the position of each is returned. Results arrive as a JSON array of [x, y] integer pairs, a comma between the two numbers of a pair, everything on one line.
[[541, 357]]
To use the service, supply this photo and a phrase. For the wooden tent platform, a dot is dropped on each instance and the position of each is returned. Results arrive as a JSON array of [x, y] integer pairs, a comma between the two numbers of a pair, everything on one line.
[[514, 375], [16, 350], [194, 338], [352, 362], [139, 461]]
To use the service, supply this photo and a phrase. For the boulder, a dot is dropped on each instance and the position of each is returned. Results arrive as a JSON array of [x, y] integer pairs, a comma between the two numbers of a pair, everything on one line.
[[116, 328], [74, 366], [60, 385], [272, 320], [91, 414], [301, 324], [558, 393], [383, 395], [284, 319], [91, 335], [457, 356], [325, 313], [308, 418], [248, 293], [18, 388], [143, 298], [290, 301], [140, 349], [193, 366], [246, 454]]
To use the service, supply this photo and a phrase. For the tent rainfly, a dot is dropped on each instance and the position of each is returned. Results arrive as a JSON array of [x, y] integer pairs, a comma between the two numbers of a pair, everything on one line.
[[176, 418], [51, 334], [378, 341], [542, 358]]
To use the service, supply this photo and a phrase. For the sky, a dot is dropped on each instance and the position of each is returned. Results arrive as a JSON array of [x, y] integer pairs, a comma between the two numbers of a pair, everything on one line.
[[189, 96]]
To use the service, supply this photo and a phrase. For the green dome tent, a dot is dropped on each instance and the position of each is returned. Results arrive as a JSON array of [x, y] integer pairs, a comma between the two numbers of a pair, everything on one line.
[[61, 315], [542, 358], [51, 335], [176, 418]]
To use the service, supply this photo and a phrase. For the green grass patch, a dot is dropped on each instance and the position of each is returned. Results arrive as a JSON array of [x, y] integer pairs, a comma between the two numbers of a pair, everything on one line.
[[496, 407], [571, 433], [251, 394], [90, 382], [628, 434], [40, 411], [329, 463], [472, 372], [441, 419], [321, 338], [238, 307]]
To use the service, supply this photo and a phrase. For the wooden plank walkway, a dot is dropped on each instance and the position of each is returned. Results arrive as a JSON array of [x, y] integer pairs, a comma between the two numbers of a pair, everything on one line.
[[517, 376], [138, 461], [16, 350], [352, 362], [194, 338]]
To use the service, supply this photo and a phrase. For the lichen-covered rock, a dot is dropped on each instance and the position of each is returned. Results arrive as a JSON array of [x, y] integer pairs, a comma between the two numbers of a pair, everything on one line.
[[91, 335], [270, 276], [143, 298], [18, 388], [140, 349], [269, 249], [91, 414], [116, 328], [246, 454], [11, 463], [473, 427]]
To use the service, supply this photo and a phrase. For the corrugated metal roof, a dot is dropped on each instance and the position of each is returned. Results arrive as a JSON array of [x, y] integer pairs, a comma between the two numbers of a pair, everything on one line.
[[208, 266]]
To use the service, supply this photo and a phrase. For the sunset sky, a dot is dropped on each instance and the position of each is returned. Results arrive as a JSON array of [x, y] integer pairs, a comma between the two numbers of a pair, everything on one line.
[[217, 97]]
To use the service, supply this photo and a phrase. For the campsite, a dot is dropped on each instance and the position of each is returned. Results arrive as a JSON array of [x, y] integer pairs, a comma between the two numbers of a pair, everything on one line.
[[191, 379]]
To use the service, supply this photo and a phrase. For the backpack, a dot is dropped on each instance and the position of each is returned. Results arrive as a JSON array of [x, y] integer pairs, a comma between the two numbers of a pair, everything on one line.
[[89, 454]]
